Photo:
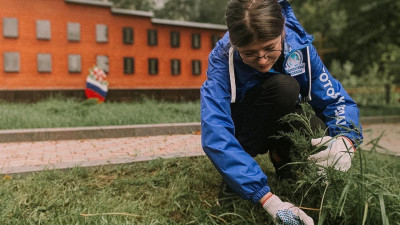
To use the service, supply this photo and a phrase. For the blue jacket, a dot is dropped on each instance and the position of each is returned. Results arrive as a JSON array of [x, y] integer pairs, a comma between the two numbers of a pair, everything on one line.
[[228, 79]]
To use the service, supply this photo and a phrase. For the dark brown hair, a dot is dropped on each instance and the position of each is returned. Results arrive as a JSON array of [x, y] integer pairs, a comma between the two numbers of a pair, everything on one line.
[[250, 20]]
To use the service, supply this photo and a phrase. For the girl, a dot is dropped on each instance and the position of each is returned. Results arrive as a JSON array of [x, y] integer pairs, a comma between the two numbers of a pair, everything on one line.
[[262, 68]]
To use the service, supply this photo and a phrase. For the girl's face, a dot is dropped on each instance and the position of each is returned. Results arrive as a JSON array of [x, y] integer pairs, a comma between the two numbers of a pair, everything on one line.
[[261, 55]]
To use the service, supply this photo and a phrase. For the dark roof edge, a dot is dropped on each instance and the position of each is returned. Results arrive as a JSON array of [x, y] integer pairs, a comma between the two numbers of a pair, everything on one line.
[[90, 2], [132, 12], [189, 24]]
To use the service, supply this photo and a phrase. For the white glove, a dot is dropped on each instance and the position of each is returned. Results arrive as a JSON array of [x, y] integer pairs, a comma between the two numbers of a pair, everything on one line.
[[285, 212], [338, 153]]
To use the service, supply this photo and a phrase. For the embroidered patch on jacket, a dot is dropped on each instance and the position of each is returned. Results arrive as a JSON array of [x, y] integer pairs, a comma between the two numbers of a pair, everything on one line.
[[295, 63]]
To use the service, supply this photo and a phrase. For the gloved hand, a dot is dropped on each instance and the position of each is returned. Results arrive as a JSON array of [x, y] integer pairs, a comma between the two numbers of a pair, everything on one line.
[[285, 212], [338, 153]]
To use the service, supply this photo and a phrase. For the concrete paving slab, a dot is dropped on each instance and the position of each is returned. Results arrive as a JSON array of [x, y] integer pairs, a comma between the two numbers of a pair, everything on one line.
[[36, 156], [388, 135]]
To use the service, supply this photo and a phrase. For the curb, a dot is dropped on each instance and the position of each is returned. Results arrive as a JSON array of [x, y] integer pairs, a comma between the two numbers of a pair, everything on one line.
[[76, 133], [23, 170], [380, 119]]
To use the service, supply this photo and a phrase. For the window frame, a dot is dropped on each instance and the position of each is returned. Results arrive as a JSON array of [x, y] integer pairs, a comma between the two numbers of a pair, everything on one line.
[[195, 63], [72, 58], [152, 37], [132, 61], [150, 64], [128, 35], [71, 29], [175, 39], [214, 39], [44, 62], [196, 40], [102, 33], [173, 71]]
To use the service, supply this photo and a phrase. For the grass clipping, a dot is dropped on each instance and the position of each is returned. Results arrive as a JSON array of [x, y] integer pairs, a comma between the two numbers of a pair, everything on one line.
[[366, 194]]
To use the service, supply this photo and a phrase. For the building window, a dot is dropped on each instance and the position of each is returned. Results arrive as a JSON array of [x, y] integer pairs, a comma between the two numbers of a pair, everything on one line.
[[74, 63], [175, 66], [10, 27], [196, 41], [101, 33], [11, 62], [129, 65], [44, 62], [214, 39], [196, 67], [43, 30], [127, 34], [153, 66], [175, 39], [74, 31], [152, 39], [102, 62]]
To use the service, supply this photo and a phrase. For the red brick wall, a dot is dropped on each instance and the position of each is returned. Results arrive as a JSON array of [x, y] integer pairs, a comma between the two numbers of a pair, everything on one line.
[[59, 13]]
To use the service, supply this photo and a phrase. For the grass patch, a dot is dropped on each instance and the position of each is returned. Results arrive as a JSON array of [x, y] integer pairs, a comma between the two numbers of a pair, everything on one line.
[[184, 191], [68, 112], [380, 110]]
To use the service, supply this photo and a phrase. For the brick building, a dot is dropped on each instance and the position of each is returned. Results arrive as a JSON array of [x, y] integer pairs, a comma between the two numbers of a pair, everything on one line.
[[49, 45]]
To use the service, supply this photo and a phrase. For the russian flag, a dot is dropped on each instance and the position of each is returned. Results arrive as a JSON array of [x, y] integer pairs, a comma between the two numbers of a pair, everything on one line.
[[96, 89]]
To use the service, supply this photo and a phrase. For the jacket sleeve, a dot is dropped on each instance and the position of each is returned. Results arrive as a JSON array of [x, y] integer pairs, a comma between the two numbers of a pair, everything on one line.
[[238, 169], [332, 103]]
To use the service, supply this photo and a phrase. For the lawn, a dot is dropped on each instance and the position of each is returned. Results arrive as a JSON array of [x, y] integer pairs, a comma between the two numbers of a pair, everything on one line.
[[184, 191], [61, 112]]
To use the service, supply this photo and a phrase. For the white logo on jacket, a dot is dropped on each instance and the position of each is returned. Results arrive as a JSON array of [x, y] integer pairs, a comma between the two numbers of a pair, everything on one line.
[[295, 63]]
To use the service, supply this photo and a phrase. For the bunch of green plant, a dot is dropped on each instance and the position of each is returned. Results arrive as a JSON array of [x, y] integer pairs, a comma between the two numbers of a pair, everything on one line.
[[365, 194]]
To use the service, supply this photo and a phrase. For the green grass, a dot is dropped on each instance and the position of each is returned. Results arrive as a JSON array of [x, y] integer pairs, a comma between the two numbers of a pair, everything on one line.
[[367, 194], [61, 112], [380, 110], [68, 112], [184, 191]]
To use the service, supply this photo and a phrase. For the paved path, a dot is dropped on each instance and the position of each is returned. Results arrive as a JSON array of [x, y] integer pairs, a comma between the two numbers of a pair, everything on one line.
[[20, 157], [390, 140]]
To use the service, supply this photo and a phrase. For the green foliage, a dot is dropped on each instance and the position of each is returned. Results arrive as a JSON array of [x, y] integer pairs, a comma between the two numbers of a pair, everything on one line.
[[142, 5], [178, 10], [194, 10], [344, 73], [366, 194], [364, 32], [214, 14]]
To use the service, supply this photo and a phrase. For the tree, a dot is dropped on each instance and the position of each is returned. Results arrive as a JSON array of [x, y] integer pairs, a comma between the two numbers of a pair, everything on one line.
[[365, 32], [212, 11], [142, 5], [205, 11], [178, 10]]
